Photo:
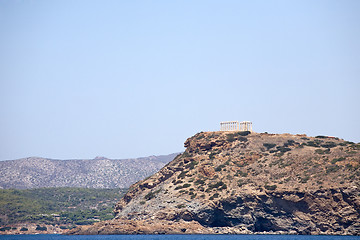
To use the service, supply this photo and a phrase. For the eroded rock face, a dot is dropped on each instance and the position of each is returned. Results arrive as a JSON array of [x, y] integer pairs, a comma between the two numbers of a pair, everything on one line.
[[125, 226], [236, 182]]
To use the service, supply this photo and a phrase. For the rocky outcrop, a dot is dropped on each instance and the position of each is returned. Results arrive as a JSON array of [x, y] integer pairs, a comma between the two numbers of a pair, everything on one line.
[[126, 226], [241, 182]]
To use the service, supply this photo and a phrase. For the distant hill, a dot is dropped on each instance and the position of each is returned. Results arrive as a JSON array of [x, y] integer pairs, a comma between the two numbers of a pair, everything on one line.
[[37, 172]]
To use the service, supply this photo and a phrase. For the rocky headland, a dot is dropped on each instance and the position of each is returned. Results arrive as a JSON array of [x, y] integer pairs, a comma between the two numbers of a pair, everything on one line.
[[246, 183]]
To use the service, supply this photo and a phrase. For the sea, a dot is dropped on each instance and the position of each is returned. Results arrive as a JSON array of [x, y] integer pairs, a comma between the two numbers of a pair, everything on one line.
[[174, 237]]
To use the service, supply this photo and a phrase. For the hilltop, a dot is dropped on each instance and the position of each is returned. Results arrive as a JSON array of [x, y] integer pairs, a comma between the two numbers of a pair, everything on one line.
[[242, 183], [101, 172]]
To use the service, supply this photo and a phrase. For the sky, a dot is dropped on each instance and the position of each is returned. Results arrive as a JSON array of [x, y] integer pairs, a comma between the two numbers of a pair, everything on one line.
[[127, 79]]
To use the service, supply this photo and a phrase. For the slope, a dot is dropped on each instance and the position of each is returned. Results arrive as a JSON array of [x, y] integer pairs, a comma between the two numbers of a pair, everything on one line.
[[100, 172], [237, 182]]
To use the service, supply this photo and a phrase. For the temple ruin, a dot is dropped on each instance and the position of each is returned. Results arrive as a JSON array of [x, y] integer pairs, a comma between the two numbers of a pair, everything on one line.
[[236, 126]]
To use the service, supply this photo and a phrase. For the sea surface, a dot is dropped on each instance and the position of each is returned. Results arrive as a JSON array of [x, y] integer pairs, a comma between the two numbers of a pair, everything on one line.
[[174, 237]]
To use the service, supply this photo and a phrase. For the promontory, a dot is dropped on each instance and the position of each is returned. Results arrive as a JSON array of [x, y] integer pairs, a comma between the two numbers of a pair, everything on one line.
[[243, 182]]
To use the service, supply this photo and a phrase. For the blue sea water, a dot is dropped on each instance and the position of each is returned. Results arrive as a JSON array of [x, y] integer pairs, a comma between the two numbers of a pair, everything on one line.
[[174, 237]]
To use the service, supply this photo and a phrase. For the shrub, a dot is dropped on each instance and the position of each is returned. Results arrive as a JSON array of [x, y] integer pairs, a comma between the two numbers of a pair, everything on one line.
[[349, 166], [320, 151], [182, 174], [186, 154], [291, 142], [320, 136], [199, 182], [270, 187], [332, 168], [3, 229], [23, 229], [151, 195], [39, 228], [243, 133], [335, 160], [304, 179], [186, 185], [241, 173], [181, 206], [283, 149], [177, 182], [313, 144], [242, 139], [200, 136], [241, 183], [216, 195], [83, 222], [212, 155], [219, 168], [230, 137], [329, 145], [269, 145], [218, 185], [192, 164]]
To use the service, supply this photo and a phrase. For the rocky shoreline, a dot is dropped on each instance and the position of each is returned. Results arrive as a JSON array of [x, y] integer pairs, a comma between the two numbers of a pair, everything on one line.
[[246, 183], [32, 228]]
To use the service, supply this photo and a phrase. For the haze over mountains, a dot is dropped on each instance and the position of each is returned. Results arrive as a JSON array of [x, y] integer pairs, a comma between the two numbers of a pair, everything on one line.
[[100, 172]]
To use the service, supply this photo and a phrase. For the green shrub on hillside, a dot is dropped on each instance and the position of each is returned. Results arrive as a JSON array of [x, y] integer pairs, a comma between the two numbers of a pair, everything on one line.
[[270, 187], [219, 168], [269, 145], [199, 182], [320, 136], [320, 151], [283, 149], [304, 179], [180, 206], [216, 195], [182, 174], [335, 160], [3, 229], [192, 164], [218, 185], [39, 228], [186, 185], [329, 145], [243, 133], [241, 173], [152, 194], [332, 168], [230, 137]]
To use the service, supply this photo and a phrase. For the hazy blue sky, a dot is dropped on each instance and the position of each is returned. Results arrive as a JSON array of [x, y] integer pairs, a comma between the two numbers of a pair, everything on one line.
[[135, 78]]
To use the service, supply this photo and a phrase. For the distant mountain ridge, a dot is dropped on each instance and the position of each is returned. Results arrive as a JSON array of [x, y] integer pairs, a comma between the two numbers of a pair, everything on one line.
[[101, 172]]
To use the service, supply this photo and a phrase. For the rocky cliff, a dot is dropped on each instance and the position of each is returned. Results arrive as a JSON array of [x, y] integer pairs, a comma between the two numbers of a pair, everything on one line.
[[241, 182], [101, 172]]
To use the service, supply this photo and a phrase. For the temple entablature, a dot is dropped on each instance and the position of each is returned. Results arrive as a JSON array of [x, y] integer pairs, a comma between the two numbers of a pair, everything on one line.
[[236, 126]]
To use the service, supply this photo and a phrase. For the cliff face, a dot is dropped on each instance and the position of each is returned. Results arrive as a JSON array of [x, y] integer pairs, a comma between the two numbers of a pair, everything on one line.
[[236, 182]]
